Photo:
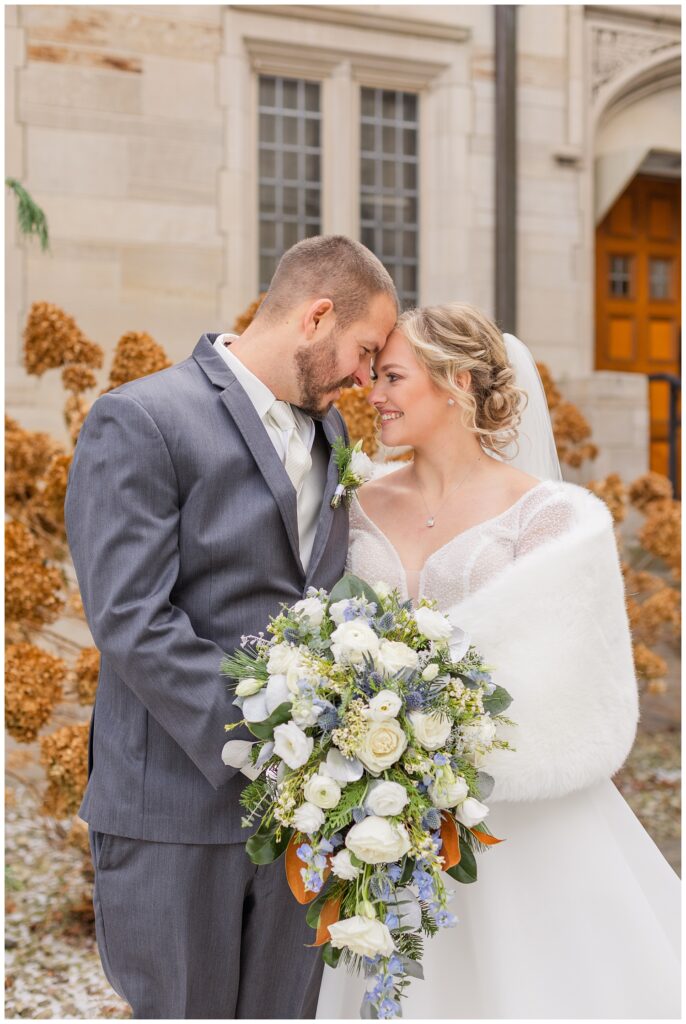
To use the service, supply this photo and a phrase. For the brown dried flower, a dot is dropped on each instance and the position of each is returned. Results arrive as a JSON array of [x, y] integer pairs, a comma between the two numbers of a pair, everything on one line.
[[613, 492], [659, 613], [136, 355], [661, 532], [47, 506], [75, 412], [32, 587], [65, 756], [52, 338], [648, 665], [78, 378], [244, 319], [640, 582], [552, 392], [360, 417], [27, 456], [649, 488], [86, 673], [572, 432], [33, 687]]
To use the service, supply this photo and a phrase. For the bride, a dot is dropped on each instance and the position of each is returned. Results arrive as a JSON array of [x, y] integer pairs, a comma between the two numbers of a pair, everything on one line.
[[576, 914]]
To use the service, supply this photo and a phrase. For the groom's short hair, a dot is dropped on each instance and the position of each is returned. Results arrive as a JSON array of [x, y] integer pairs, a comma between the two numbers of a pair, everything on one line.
[[329, 266]]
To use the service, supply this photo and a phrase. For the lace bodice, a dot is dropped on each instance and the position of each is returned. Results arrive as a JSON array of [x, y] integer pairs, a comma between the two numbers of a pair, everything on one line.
[[470, 559]]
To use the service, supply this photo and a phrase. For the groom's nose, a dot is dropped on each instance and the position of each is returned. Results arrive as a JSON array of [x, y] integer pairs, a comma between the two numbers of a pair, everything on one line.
[[361, 375]]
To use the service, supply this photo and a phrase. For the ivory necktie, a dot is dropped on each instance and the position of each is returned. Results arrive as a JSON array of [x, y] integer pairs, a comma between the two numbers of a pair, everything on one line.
[[298, 459]]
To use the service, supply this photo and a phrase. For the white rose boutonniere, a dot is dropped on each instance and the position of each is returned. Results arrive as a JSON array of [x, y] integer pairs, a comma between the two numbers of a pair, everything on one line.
[[354, 469]]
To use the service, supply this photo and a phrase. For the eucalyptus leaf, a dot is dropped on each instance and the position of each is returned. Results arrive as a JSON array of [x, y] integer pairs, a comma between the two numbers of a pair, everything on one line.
[[367, 1011], [485, 784], [413, 967], [352, 586], [498, 701], [465, 871], [265, 730]]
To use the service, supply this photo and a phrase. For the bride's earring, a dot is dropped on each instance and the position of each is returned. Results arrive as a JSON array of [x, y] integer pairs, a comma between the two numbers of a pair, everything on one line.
[[451, 401]]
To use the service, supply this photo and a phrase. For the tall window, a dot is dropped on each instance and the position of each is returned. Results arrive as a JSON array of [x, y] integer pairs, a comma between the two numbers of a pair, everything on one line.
[[389, 185], [289, 167]]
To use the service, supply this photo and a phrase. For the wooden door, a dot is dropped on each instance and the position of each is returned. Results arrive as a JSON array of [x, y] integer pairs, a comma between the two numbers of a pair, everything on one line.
[[638, 307]]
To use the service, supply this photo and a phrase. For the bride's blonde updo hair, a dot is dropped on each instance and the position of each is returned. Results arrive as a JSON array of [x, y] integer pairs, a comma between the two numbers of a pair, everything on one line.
[[450, 339]]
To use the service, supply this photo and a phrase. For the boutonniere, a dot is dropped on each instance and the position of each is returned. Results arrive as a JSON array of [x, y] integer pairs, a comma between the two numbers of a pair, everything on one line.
[[354, 469]]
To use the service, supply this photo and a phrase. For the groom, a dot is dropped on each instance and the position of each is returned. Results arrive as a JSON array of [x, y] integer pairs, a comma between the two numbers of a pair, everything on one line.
[[198, 502]]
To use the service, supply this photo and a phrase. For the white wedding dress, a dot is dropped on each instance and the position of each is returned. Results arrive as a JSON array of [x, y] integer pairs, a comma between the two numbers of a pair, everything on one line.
[[576, 915]]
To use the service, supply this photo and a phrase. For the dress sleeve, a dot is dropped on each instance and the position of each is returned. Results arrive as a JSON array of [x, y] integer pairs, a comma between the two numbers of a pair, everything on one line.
[[552, 516]]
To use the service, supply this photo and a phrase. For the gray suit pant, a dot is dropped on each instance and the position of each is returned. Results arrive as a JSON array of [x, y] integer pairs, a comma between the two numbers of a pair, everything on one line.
[[200, 931]]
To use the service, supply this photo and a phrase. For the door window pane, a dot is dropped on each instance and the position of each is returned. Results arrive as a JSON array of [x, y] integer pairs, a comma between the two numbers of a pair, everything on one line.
[[620, 277], [289, 121], [389, 184], [660, 278]]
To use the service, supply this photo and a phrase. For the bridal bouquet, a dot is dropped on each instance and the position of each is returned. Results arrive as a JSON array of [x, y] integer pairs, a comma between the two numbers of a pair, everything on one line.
[[370, 719]]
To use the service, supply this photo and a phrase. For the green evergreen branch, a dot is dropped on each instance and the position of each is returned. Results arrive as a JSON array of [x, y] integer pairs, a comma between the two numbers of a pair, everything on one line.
[[32, 220]]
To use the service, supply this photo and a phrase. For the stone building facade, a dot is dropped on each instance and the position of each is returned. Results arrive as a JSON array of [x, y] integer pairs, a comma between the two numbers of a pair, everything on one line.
[[157, 139]]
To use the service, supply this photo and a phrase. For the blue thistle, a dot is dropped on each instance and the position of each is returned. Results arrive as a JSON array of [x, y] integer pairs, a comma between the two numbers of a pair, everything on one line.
[[414, 700], [431, 819]]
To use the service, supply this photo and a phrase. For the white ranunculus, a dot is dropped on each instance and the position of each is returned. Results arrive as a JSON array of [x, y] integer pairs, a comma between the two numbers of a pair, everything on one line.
[[376, 841], [361, 466], [394, 656], [281, 657], [351, 641], [448, 790], [385, 704], [430, 672], [292, 745], [308, 818], [430, 730], [236, 753], [382, 745], [276, 692], [362, 935], [311, 610], [459, 644], [478, 735], [471, 812], [322, 790], [305, 712], [384, 798], [432, 624], [255, 707], [343, 867], [342, 769], [247, 687]]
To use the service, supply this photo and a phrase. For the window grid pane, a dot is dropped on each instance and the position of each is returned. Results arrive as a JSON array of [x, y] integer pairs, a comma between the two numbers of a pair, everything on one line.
[[660, 278], [289, 119], [620, 276], [389, 185]]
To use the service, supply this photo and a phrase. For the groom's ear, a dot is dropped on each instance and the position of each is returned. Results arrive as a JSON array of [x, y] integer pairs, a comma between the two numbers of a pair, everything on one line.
[[318, 319]]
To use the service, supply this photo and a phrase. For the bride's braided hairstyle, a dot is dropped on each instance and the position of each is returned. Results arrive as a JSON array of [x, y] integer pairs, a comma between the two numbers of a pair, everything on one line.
[[450, 339]]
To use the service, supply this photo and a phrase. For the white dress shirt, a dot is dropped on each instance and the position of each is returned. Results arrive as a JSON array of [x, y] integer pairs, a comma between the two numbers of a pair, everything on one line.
[[311, 493]]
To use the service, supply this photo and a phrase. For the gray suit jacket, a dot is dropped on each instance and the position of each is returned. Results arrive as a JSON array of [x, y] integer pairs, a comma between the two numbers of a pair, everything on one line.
[[182, 524]]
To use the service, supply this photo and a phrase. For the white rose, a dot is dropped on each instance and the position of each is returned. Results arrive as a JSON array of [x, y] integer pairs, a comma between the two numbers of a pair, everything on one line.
[[322, 790], [281, 657], [384, 798], [247, 687], [393, 656], [382, 590], [386, 704], [382, 745], [342, 769], [362, 935], [478, 735], [432, 624], [351, 641], [236, 753], [292, 745], [448, 790], [311, 609], [430, 730], [343, 867], [361, 465], [470, 812], [276, 692], [308, 818], [376, 841]]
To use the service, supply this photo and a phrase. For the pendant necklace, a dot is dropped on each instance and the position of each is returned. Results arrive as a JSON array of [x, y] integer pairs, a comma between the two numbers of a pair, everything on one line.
[[431, 520]]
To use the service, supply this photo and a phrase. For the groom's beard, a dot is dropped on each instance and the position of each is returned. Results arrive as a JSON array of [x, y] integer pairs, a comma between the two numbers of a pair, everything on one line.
[[316, 369]]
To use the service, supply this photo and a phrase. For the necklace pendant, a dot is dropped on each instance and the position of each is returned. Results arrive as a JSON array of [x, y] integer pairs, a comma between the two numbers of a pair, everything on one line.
[[430, 521]]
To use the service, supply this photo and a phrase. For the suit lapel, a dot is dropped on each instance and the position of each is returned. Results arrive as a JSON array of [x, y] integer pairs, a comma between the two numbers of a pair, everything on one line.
[[256, 438], [331, 431]]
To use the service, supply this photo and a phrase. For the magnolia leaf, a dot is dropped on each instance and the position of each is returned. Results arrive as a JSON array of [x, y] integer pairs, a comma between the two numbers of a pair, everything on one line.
[[265, 849], [265, 730], [485, 784], [465, 871]]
